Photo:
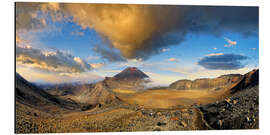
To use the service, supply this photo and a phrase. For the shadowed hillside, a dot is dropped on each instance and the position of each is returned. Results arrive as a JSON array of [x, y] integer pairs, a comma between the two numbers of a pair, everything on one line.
[[28, 93]]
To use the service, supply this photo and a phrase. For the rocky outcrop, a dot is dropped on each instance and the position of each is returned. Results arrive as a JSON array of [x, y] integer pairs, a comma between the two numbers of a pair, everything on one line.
[[239, 111], [210, 84], [249, 80], [97, 93]]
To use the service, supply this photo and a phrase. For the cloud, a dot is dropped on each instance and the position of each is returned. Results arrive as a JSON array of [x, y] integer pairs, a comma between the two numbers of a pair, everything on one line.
[[222, 62], [52, 77], [215, 54], [34, 15], [97, 65], [54, 61], [172, 59], [165, 49], [91, 58], [133, 63], [230, 42], [140, 31], [110, 54]]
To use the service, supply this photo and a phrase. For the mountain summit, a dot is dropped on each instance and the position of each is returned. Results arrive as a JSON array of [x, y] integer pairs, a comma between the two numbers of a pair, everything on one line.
[[131, 73]]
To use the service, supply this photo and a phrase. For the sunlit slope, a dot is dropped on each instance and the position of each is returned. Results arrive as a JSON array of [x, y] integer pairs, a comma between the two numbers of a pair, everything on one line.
[[124, 91]]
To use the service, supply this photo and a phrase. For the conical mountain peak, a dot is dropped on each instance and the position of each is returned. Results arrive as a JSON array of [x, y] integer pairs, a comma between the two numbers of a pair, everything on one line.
[[131, 73]]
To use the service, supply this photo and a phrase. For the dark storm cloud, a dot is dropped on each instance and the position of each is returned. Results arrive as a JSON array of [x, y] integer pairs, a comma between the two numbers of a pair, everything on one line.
[[217, 20], [223, 62], [109, 54], [140, 31]]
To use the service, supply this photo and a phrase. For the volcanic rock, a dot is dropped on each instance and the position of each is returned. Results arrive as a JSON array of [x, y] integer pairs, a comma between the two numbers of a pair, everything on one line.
[[98, 93]]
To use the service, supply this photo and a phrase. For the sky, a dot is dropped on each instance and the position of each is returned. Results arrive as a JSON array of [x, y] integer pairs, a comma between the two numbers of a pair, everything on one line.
[[62, 43]]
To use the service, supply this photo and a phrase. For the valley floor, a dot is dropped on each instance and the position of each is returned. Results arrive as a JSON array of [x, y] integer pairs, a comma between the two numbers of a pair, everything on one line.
[[157, 112]]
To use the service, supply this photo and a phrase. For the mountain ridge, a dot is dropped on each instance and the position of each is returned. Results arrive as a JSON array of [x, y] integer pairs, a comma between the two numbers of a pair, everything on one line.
[[29, 94], [228, 81]]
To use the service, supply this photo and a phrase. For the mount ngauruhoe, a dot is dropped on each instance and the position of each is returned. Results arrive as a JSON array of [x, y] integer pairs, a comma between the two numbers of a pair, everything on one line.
[[131, 74]]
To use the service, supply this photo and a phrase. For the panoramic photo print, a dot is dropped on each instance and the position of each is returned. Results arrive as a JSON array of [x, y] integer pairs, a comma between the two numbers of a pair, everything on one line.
[[84, 67]]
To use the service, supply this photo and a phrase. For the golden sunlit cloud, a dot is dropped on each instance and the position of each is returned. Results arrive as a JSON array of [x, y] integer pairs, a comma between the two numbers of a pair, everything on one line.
[[215, 54], [172, 59], [230, 42], [97, 65], [130, 26]]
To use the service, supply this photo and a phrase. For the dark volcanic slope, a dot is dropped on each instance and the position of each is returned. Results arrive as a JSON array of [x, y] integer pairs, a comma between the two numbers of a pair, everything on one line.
[[29, 94], [240, 110], [131, 73], [249, 80]]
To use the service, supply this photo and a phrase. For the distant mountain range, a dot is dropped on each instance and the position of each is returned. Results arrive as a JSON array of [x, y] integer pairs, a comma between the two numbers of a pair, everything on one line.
[[130, 78], [234, 82]]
